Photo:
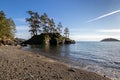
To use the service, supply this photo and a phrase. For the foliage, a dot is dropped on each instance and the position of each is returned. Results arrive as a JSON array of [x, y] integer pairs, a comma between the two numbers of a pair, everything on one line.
[[50, 34], [52, 25], [7, 27], [59, 28], [34, 22], [12, 26], [44, 24], [44, 20], [66, 32]]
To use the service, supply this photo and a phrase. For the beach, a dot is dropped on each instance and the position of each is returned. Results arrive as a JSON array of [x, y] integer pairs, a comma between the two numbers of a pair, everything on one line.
[[17, 64]]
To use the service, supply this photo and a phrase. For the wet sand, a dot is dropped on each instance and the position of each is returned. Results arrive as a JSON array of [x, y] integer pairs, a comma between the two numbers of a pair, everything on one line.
[[17, 64]]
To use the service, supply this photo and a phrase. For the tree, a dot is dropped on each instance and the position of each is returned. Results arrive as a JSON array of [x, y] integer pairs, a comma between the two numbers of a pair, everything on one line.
[[12, 26], [34, 22], [66, 32], [47, 24], [45, 20], [6, 28], [52, 25], [59, 27]]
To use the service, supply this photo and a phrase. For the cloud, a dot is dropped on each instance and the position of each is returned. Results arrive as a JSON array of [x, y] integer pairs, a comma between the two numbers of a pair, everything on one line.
[[23, 35], [22, 32], [103, 16], [22, 28], [20, 19], [109, 30]]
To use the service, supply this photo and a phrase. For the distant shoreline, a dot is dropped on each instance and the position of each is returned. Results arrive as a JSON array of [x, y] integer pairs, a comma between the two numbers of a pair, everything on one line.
[[24, 65]]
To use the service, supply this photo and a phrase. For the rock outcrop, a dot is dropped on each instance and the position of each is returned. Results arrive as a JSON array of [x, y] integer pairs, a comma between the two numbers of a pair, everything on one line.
[[49, 38]]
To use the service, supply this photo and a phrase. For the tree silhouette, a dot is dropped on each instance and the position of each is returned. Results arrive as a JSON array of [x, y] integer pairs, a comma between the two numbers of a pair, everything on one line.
[[34, 22], [52, 25], [59, 27], [44, 24], [44, 19], [66, 32]]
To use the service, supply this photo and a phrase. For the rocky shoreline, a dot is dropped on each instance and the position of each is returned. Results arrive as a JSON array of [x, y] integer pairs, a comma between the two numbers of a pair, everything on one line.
[[17, 64]]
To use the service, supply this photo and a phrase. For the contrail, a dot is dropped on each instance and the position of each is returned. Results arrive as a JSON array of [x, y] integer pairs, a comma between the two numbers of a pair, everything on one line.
[[103, 16]]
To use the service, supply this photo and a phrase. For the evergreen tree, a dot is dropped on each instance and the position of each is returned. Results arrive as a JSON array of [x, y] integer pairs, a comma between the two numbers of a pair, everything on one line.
[[59, 27], [12, 26], [66, 32], [45, 20], [34, 22], [6, 29], [52, 25]]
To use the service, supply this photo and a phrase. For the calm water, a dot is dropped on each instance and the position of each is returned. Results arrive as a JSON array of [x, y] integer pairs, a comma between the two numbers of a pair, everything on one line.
[[100, 57]]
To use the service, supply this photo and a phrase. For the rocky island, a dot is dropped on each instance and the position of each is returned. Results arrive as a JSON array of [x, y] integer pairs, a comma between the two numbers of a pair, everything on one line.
[[44, 31], [109, 39]]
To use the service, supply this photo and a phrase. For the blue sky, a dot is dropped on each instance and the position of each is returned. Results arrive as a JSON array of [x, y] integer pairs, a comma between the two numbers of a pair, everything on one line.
[[87, 20]]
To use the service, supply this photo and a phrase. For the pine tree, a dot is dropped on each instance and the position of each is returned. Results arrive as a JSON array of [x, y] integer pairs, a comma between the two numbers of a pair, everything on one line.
[[34, 22], [66, 32], [59, 27], [52, 25], [45, 20], [6, 27]]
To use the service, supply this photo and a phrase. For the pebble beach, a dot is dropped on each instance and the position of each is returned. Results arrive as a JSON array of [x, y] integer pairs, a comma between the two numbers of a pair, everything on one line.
[[17, 64]]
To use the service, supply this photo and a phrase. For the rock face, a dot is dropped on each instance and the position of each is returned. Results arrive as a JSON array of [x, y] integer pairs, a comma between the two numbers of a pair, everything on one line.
[[109, 39], [48, 38], [6, 42], [69, 41], [16, 41]]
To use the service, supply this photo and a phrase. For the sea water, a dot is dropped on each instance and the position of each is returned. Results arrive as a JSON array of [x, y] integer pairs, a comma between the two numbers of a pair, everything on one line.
[[100, 57]]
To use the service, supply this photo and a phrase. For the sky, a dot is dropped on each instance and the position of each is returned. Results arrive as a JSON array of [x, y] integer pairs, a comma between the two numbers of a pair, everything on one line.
[[87, 20]]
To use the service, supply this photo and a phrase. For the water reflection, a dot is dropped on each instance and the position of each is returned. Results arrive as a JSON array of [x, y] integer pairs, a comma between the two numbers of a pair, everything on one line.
[[58, 50]]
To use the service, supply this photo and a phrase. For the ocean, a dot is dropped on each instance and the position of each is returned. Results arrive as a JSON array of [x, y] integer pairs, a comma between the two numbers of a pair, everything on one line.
[[102, 58]]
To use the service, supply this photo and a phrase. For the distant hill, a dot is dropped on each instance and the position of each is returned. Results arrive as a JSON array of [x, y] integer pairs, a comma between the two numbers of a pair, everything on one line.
[[109, 39]]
